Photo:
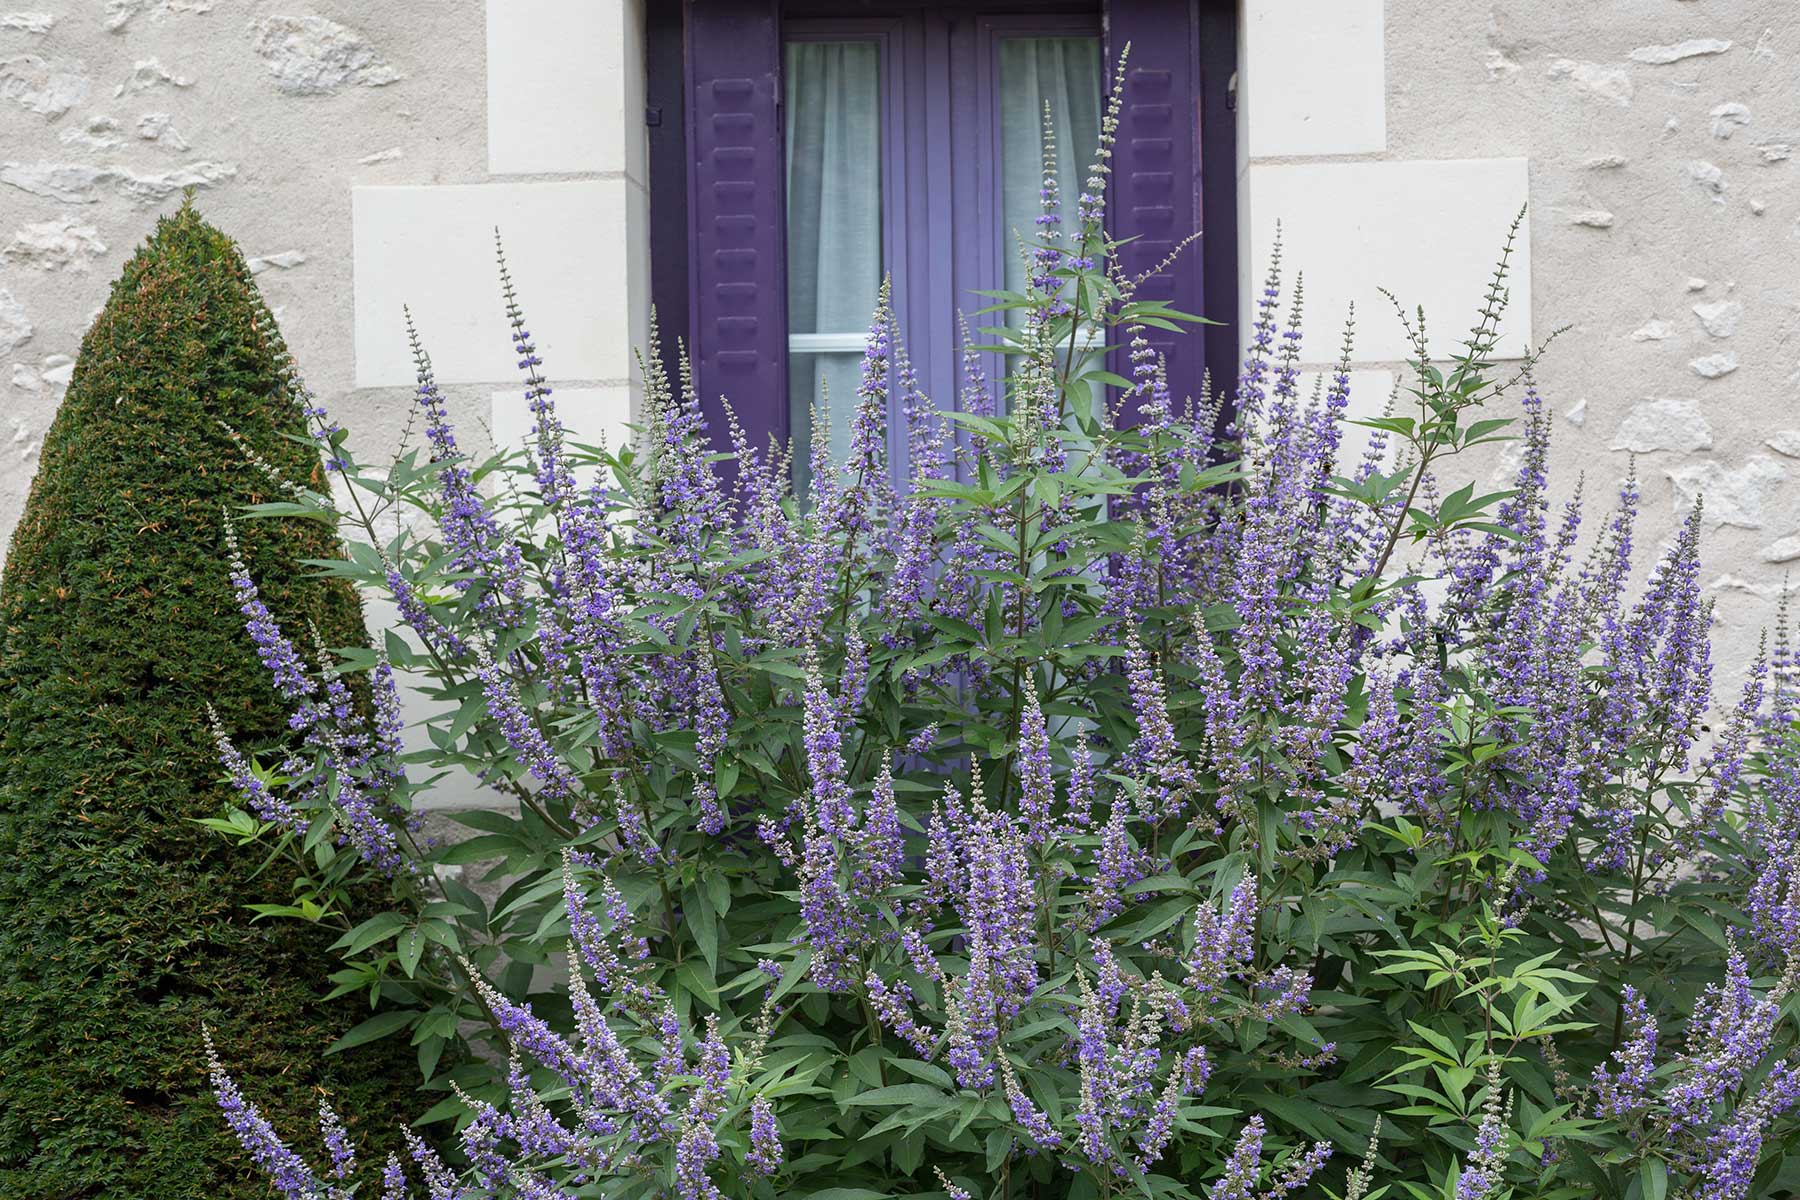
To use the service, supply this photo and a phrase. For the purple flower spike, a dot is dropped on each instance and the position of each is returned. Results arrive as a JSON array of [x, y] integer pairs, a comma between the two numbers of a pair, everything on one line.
[[287, 671], [1037, 783], [337, 1143], [285, 1169], [765, 1138]]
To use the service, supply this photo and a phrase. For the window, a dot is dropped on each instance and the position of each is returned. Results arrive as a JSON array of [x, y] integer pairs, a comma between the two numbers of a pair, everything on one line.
[[798, 154], [836, 248]]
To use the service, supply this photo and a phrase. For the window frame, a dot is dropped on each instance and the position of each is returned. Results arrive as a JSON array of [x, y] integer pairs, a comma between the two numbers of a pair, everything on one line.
[[951, 138], [1199, 79], [889, 35]]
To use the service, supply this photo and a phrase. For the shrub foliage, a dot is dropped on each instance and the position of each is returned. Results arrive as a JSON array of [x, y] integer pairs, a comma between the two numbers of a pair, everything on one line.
[[1087, 800], [123, 924]]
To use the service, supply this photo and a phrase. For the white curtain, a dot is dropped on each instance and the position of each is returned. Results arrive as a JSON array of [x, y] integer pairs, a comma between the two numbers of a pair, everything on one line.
[[834, 192], [1064, 72], [833, 228]]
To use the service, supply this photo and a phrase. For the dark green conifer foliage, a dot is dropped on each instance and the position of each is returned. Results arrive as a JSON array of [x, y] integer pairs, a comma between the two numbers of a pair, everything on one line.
[[122, 923]]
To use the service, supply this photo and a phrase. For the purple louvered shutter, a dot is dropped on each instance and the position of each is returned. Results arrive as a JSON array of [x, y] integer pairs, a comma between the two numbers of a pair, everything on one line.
[[1156, 194], [738, 307]]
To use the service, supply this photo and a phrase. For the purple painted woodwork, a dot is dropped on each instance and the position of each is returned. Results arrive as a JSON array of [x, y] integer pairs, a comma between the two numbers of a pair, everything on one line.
[[1156, 182], [1218, 260], [737, 280], [942, 236], [665, 115]]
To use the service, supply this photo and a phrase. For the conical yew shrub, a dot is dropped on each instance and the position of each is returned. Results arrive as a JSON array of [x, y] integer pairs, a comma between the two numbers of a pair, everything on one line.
[[123, 924]]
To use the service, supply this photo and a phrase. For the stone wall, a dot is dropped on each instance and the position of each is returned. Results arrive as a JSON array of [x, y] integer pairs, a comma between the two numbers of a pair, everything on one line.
[[363, 154], [1654, 140]]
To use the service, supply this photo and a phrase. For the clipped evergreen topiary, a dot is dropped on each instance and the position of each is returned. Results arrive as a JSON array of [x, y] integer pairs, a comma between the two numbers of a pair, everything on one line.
[[123, 924]]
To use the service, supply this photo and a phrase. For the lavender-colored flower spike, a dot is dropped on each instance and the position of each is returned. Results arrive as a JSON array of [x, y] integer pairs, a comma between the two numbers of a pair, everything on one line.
[[253, 791], [880, 841], [694, 1155], [1025, 1114], [765, 1138], [440, 1181], [892, 1003], [1298, 1169], [1188, 1077], [520, 727], [1157, 748], [1736, 1150], [1046, 256], [285, 1169], [556, 482], [594, 947], [1037, 782], [824, 755], [1244, 1166], [833, 927], [1622, 1090], [287, 670], [1483, 1172], [479, 549], [337, 1143], [418, 618], [393, 1180], [1224, 945]]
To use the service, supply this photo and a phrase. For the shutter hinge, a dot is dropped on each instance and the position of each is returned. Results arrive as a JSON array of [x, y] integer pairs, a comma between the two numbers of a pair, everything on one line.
[[653, 115], [1231, 93]]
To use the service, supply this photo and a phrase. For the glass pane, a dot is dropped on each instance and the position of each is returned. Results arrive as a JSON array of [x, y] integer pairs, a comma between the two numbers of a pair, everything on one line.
[[833, 225], [1065, 73], [811, 378]]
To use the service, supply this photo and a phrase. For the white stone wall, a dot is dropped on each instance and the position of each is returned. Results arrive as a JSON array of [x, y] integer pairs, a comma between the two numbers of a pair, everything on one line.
[[1654, 140], [363, 154]]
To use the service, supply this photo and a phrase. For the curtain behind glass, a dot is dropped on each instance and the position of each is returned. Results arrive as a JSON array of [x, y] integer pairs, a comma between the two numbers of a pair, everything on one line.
[[1066, 73], [833, 228]]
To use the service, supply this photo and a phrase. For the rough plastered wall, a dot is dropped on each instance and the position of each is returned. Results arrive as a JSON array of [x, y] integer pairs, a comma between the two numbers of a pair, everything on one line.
[[363, 155], [1658, 142]]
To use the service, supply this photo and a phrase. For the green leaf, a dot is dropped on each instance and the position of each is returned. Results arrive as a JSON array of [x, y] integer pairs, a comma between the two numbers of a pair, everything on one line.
[[375, 1028], [702, 923], [443, 1110], [487, 821], [372, 931], [699, 981], [412, 945], [1315, 1120], [298, 911], [286, 508], [431, 1052], [480, 849], [897, 1094], [999, 1148]]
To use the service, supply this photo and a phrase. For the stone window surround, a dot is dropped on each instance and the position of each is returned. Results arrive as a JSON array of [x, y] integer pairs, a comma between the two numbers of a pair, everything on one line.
[[1311, 154]]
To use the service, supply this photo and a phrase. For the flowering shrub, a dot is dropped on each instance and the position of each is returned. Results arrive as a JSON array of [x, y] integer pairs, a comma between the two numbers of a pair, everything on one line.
[[1098, 796]]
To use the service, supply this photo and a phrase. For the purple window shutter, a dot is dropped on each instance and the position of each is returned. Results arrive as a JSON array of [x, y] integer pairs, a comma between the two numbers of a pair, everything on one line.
[[1156, 194], [737, 288]]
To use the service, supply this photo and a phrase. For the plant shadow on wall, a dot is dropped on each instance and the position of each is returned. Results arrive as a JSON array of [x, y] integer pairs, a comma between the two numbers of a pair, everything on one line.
[[1129, 804]]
